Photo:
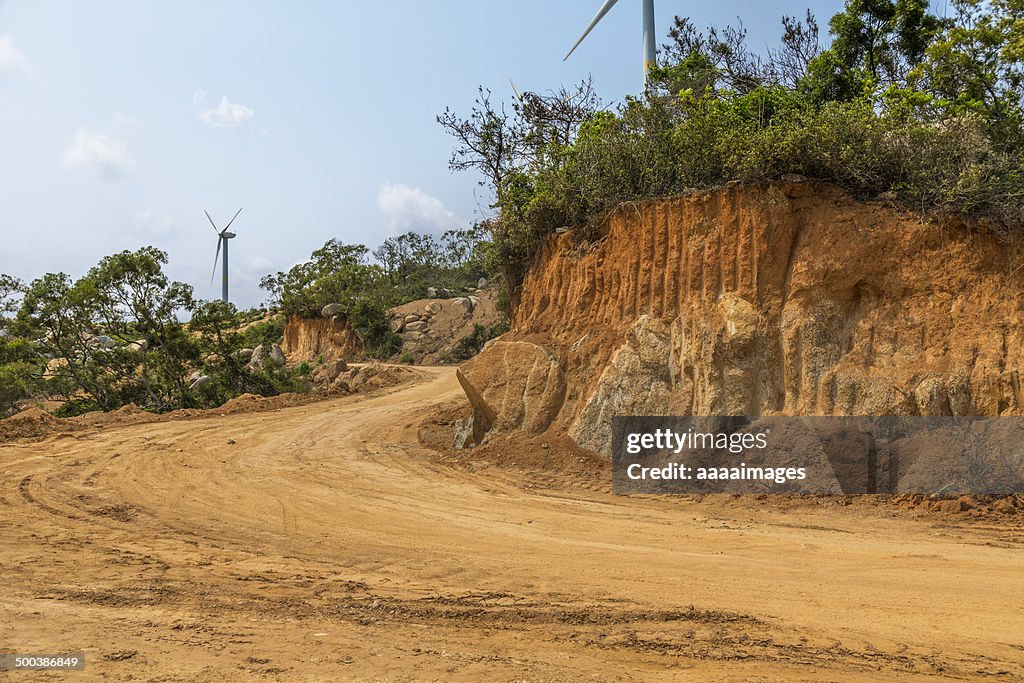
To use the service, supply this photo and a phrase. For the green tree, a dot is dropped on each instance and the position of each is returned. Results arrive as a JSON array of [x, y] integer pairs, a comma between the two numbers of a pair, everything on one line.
[[18, 361]]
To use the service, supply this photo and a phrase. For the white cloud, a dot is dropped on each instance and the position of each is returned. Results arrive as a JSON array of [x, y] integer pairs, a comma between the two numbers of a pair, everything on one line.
[[410, 208], [12, 62], [227, 114], [107, 156]]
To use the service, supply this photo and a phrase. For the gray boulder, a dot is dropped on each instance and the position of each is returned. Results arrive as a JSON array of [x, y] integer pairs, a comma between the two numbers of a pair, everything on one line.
[[263, 352], [331, 310], [481, 283], [431, 292], [465, 303], [200, 382], [139, 346], [328, 372], [417, 326]]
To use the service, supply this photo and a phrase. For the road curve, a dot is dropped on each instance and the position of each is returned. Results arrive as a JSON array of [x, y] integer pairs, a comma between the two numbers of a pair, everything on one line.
[[322, 542]]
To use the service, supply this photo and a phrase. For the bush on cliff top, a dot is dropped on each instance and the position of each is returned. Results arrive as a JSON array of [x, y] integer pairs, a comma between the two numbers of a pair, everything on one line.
[[923, 110]]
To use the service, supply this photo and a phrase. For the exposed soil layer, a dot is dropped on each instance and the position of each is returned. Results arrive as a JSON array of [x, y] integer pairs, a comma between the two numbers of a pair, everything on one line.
[[782, 298]]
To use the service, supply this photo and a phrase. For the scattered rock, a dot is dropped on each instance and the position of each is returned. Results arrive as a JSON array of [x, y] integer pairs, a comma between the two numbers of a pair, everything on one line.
[[432, 308], [481, 283], [465, 303], [263, 352], [1004, 507], [102, 341], [328, 372], [139, 346], [431, 292], [200, 382], [417, 326], [412, 318]]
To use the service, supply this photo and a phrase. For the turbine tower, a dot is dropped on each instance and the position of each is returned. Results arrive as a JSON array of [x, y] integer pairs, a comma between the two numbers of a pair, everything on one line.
[[222, 240], [650, 52]]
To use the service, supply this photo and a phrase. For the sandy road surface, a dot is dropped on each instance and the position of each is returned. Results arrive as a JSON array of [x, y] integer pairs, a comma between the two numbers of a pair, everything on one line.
[[325, 544]]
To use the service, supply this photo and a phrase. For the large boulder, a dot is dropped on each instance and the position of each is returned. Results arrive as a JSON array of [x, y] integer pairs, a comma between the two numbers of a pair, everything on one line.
[[331, 310], [465, 303], [521, 382], [471, 431], [265, 352]]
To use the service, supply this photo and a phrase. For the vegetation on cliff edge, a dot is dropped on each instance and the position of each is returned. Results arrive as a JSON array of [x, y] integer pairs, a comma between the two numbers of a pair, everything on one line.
[[925, 111]]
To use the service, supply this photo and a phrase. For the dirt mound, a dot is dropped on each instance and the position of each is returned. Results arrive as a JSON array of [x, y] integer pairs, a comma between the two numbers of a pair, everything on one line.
[[973, 506], [31, 422], [363, 378]]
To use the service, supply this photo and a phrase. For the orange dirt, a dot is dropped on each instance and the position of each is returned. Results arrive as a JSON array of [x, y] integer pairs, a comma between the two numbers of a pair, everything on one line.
[[788, 298], [322, 542]]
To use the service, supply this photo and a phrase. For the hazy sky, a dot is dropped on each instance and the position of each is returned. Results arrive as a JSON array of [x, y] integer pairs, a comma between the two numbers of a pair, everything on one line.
[[121, 121]]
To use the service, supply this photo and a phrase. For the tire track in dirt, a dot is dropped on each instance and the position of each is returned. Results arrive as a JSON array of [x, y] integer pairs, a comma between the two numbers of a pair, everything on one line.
[[322, 541]]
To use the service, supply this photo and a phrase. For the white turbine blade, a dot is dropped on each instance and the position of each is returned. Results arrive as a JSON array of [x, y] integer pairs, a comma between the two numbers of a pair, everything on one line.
[[211, 221], [230, 222], [575, 94], [590, 27], [216, 257], [519, 95]]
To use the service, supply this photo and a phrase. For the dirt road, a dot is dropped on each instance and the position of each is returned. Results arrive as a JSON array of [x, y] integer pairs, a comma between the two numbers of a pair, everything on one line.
[[322, 542]]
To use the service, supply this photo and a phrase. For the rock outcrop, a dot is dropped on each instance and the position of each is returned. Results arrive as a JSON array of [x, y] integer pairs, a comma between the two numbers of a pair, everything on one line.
[[780, 298], [521, 382]]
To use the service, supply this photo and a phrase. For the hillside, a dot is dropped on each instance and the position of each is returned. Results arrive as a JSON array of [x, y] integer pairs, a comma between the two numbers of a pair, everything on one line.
[[775, 298]]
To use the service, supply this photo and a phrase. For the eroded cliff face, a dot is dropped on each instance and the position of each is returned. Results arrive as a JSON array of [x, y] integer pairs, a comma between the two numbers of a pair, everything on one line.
[[788, 298], [311, 338]]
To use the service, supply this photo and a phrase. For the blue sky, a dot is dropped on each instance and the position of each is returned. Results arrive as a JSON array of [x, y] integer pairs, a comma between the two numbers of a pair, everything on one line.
[[121, 121]]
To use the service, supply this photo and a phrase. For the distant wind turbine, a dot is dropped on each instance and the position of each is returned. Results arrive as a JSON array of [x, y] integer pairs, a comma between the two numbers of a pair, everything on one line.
[[222, 239], [650, 54]]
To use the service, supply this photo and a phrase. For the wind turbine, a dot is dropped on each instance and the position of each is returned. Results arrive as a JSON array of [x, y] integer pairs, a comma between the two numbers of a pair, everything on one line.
[[650, 54], [222, 239]]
